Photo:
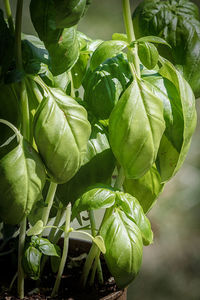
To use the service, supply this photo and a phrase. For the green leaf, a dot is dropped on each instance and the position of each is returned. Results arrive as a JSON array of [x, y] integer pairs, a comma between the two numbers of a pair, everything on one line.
[[97, 167], [61, 132], [79, 69], [170, 158], [45, 246], [148, 55], [153, 39], [98, 240], [120, 37], [94, 198], [36, 229], [134, 211], [31, 262], [177, 22], [22, 178], [146, 189], [106, 50], [104, 86], [136, 146], [124, 247]]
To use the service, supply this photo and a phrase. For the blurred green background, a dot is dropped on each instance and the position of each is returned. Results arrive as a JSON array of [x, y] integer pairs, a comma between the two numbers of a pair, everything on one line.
[[171, 266]]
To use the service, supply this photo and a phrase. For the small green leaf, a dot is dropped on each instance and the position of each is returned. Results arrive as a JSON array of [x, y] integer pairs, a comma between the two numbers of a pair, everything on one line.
[[94, 198], [120, 37], [106, 50], [46, 247], [36, 229], [31, 262], [153, 39], [148, 54], [98, 240]]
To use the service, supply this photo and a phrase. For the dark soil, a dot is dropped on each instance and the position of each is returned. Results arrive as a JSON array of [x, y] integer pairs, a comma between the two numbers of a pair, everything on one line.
[[70, 284]]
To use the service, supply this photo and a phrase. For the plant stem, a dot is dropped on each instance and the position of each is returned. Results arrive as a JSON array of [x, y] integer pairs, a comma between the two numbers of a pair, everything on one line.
[[56, 223], [72, 85], [65, 251], [22, 235], [88, 264], [18, 26], [25, 111], [9, 16], [94, 268], [131, 38], [49, 202], [97, 264], [120, 179]]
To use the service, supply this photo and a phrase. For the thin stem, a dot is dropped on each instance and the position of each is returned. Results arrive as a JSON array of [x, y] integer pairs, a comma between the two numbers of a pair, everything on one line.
[[22, 235], [56, 223], [131, 37], [88, 264], [49, 202], [65, 251], [25, 111], [9, 16], [92, 222], [18, 27], [94, 268], [72, 85]]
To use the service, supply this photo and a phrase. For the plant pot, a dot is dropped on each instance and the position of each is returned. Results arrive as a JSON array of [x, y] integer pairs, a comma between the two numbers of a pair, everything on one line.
[[77, 248]]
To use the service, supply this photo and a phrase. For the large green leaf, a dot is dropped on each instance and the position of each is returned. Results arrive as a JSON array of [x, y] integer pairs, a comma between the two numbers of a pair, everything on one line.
[[178, 23], [171, 155], [97, 167], [134, 145], [22, 178], [123, 242], [61, 132], [146, 188], [134, 211], [105, 84]]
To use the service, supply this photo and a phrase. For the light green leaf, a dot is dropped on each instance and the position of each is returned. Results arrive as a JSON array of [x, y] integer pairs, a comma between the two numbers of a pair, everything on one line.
[[123, 242], [106, 50], [136, 146], [148, 55], [153, 39], [36, 229], [98, 240]]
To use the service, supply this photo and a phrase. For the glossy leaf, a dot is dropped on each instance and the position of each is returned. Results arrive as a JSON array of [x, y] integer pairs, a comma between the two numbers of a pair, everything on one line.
[[153, 39], [61, 132], [146, 188], [177, 22], [94, 198], [31, 262], [136, 146], [105, 50], [98, 167], [98, 240], [123, 244], [134, 211], [171, 155], [44, 246], [104, 86], [36, 229], [22, 178], [148, 54]]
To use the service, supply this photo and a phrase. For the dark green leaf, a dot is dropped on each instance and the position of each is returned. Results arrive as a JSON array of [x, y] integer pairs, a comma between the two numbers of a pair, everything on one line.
[[31, 262], [45, 246]]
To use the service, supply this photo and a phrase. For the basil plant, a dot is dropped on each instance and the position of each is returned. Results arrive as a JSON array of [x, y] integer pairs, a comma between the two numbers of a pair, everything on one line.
[[65, 153]]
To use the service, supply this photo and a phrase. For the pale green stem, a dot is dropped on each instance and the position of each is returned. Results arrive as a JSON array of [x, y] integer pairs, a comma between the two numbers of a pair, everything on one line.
[[120, 179], [18, 26], [22, 235], [65, 251], [25, 111], [9, 16], [97, 264], [94, 268], [131, 38], [72, 84], [49, 202], [88, 264]]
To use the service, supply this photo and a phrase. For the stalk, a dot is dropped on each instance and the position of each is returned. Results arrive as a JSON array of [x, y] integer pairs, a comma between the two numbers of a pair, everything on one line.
[[72, 85], [88, 264], [132, 53], [9, 16], [22, 236], [49, 202], [65, 251]]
